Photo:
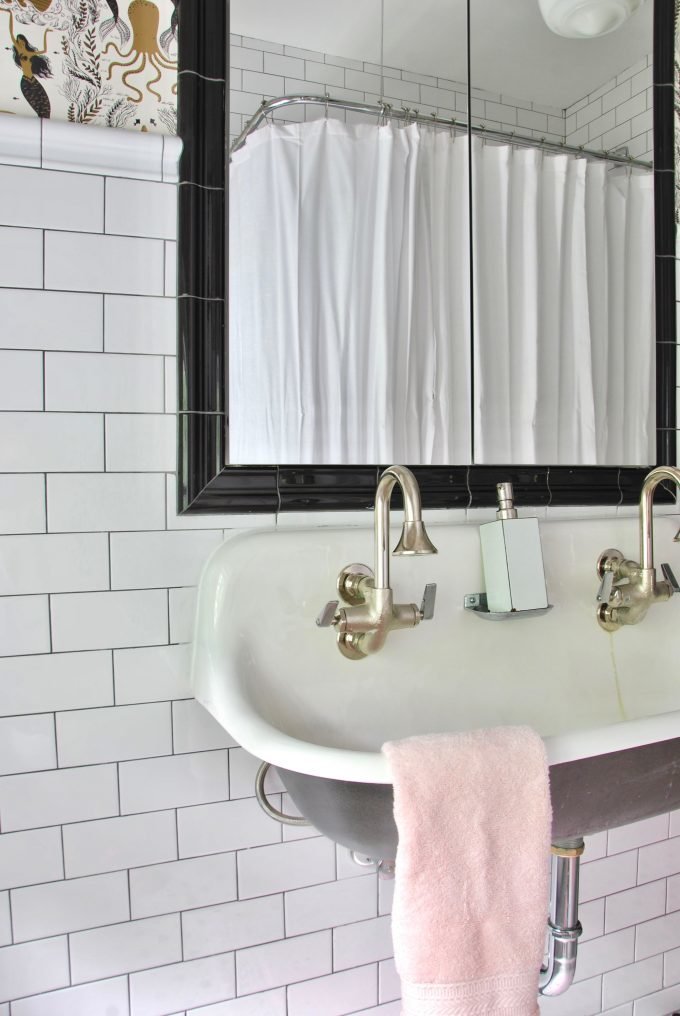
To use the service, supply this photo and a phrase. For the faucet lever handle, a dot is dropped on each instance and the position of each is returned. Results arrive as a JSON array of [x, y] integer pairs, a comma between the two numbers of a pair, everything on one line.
[[670, 577], [327, 615], [605, 591], [427, 606]]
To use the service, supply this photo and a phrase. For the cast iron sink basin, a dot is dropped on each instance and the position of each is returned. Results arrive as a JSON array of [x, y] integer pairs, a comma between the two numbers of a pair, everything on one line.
[[607, 706]]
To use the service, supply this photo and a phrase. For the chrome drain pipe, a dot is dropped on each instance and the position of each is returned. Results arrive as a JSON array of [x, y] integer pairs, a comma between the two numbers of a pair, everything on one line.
[[564, 927]]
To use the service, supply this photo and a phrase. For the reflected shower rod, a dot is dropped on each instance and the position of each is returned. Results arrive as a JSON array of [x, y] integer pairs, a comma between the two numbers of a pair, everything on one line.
[[384, 111]]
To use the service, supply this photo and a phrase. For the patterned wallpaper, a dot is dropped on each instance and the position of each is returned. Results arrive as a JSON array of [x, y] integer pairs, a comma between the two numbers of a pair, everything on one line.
[[91, 61]]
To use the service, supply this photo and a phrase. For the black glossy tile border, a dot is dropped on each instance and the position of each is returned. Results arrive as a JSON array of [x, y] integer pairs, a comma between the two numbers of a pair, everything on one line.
[[664, 42], [201, 254], [205, 483], [203, 37], [204, 156], [201, 348]]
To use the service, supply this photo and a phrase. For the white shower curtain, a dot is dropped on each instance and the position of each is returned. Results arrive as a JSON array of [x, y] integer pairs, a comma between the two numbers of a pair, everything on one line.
[[349, 335], [349, 296], [564, 309]]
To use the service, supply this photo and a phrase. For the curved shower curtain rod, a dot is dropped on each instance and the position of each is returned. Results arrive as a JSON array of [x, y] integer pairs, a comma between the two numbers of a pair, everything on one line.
[[386, 112]]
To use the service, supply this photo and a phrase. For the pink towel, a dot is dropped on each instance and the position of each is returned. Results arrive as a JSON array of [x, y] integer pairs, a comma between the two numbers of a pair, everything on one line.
[[472, 872]]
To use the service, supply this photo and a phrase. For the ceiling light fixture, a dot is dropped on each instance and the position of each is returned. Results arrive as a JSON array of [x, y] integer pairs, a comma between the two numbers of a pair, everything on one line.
[[586, 19]]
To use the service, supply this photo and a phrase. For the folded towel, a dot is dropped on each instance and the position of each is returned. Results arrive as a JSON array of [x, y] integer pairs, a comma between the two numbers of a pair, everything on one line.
[[472, 871]]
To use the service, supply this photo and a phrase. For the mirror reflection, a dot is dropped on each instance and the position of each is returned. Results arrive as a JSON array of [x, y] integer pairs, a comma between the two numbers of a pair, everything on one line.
[[367, 324]]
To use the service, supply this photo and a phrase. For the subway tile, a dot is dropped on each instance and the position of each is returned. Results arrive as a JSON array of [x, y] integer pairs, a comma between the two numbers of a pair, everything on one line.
[[335, 994], [24, 626], [330, 905], [242, 771], [621, 1010], [105, 998], [182, 613], [142, 560], [58, 200], [132, 154], [23, 267], [288, 66], [173, 782], [671, 967], [140, 324], [226, 825], [263, 85], [58, 907], [26, 745], [193, 983], [50, 442], [658, 1004], [63, 795], [123, 948], [32, 968], [582, 999], [55, 681], [109, 620], [365, 942], [171, 385], [659, 860], [22, 503], [284, 866], [112, 844], [53, 563], [657, 936], [157, 673], [141, 208], [194, 729], [170, 268], [5, 920], [608, 875], [324, 74], [101, 502], [182, 885], [616, 96], [21, 379], [606, 953], [386, 898], [346, 867], [89, 736], [273, 1003], [229, 926], [673, 897], [389, 982], [140, 443], [285, 962], [635, 905], [30, 858], [105, 382], [88, 262], [21, 141], [246, 59], [75, 320], [632, 982], [637, 834]]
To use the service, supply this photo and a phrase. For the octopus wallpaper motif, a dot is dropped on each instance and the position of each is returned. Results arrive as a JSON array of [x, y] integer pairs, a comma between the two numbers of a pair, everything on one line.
[[91, 61]]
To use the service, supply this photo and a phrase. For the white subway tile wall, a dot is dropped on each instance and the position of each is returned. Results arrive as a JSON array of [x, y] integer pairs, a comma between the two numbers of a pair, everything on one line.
[[137, 873]]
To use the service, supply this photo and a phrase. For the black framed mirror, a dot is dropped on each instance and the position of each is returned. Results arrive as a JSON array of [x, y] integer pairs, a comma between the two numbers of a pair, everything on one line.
[[206, 483]]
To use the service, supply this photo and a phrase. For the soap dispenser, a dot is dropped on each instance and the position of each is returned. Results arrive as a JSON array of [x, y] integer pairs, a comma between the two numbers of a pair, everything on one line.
[[512, 559]]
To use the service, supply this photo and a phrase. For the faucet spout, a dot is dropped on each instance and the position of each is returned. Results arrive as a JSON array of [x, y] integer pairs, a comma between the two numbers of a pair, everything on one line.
[[414, 538], [652, 480]]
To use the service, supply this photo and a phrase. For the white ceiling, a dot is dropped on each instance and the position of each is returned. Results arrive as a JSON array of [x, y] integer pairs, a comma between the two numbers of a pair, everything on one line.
[[513, 52]]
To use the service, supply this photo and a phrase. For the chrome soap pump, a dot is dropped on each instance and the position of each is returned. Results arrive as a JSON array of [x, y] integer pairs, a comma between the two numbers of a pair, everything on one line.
[[512, 559]]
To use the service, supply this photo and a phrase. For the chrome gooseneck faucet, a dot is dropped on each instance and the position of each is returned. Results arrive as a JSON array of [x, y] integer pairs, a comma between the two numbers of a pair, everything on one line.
[[363, 625], [628, 589]]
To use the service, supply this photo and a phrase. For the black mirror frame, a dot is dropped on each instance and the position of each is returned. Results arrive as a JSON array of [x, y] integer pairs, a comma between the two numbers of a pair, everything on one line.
[[205, 484]]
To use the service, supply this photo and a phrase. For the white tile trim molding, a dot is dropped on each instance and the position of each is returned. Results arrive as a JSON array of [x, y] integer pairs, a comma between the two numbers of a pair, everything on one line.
[[76, 148]]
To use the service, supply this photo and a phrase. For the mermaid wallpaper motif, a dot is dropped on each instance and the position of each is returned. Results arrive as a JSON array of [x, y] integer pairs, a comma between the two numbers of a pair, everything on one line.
[[102, 62]]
